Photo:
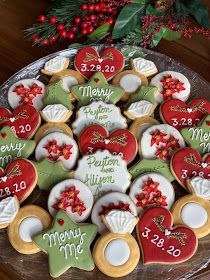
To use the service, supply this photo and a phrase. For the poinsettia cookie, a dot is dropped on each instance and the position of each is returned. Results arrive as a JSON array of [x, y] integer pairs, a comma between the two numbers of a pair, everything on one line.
[[144, 66], [162, 243], [88, 61], [98, 112], [179, 114], [103, 172], [171, 85], [27, 91], [152, 189], [55, 65], [8, 210], [108, 202], [55, 113], [58, 146], [120, 142], [160, 141], [71, 196]]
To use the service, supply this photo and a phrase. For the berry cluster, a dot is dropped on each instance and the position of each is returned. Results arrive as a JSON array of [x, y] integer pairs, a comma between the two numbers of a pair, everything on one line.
[[111, 206], [171, 86], [55, 151], [69, 198], [27, 94]]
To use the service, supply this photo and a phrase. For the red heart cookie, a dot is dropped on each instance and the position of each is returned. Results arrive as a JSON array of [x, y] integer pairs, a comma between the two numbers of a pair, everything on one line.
[[109, 62], [160, 242], [187, 163], [19, 178], [121, 141], [179, 114], [24, 120]]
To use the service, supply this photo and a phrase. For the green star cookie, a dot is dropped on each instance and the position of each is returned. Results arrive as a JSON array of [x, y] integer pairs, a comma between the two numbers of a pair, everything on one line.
[[198, 137], [67, 244], [151, 165], [12, 147], [50, 173], [97, 89], [57, 95]]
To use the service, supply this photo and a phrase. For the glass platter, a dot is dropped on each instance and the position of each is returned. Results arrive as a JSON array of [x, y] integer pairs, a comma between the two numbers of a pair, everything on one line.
[[36, 266]]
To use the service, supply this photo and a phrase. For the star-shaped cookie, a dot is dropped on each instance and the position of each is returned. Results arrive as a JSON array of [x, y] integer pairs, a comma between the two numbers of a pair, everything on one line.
[[67, 244], [97, 89]]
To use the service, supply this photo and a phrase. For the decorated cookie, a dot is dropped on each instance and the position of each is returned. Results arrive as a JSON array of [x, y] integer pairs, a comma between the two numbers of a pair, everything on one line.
[[187, 163], [8, 210], [116, 253], [179, 114], [130, 81], [19, 178], [52, 127], [199, 186], [140, 125], [120, 142], [27, 92], [57, 95], [171, 85], [152, 189], [160, 243], [98, 112], [97, 89], [12, 147], [141, 104], [198, 137], [58, 146], [67, 244], [50, 173], [160, 141], [55, 65], [144, 66], [72, 196], [29, 221], [152, 165], [55, 113], [88, 61], [108, 202], [24, 120], [103, 172]]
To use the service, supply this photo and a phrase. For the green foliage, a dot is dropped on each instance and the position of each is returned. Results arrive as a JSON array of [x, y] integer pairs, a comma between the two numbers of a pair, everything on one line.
[[197, 9], [99, 33], [165, 33]]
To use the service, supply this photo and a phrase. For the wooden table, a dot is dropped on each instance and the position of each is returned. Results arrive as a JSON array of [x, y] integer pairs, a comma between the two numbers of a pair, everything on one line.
[[16, 53]]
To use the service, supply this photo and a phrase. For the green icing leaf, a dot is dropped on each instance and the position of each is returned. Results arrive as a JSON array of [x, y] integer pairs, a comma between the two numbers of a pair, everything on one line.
[[100, 32]]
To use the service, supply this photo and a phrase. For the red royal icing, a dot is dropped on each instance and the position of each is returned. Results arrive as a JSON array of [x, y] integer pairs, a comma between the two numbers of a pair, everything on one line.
[[4, 135], [112, 206], [171, 86], [61, 222], [27, 94], [160, 242], [56, 151]]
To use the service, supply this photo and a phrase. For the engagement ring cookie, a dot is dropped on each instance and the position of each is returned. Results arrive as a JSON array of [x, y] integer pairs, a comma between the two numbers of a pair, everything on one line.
[[144, 66], [55, 65], [140, 125], [55, 113], [8, 210]]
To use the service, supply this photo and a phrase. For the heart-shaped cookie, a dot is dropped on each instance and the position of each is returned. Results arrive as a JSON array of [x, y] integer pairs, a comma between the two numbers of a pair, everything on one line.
[[109, 62], [19, 178], [96, 137], [24, 120], [187, 163], [160, 242], [179, 114]]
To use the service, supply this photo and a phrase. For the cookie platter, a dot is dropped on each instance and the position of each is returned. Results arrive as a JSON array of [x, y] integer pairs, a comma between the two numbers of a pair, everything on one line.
[[27, 266]]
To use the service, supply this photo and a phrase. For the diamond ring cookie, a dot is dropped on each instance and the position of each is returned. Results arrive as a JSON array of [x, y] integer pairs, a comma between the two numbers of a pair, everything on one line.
[[116, 253], [9, 208], [140, 125], [144, 66], [55, 65], [55, 113], [29, 221]]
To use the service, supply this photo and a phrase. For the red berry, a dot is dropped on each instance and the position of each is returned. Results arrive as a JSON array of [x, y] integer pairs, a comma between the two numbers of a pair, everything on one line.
[[84, 25], [35, 38], [110, 21], [97, 7], [104, 10], [71, 36], [100, 15], [91, 7], [95, 24], [86, 17], [77, 20], [90, 29], [114, 11], [45, 42], [109, 10], [53, 38], [63, 34], [53, 19], [84, 32], [74, 29], [60, 27], [102, 4], [101, 23], [84, 7], [42, 18], [92, 17]]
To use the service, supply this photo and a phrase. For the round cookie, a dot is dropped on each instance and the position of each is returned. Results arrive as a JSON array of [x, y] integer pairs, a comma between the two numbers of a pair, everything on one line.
[[29, 221], [55, 113], [111, 201], [58, 146], [152, 189], [55, 65], [8, 210], [71, 196], [171, 85], [144, 66], [27, 91], [130, 81]]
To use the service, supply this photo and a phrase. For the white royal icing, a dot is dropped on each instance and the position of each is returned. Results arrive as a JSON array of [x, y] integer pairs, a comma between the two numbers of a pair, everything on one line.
[[8, 210], [30, 227], [101, 113], [130, 82], [201, 187], [68, 82], [142, 128], [194, 215], [117, 252], [156, 81], [55, 112], [103, 172], [105, 200], [140, 108], [144, 66], [165, 187], [55, 64], [84, 195]]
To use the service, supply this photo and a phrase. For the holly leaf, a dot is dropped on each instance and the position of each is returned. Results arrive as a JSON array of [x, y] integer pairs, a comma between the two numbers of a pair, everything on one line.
[[100, 32], [198, 10], [139, 1], [170, 35], [128, 19]]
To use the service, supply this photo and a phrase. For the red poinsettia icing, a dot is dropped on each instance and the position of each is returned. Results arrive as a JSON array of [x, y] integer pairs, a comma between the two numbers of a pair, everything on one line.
[[163, 152], [173, 142], [65, 151], [150, 195], [27, 94], [56, 151], [52, 147], [78, 206], [158, 137], [171, 86], [111, 206]]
